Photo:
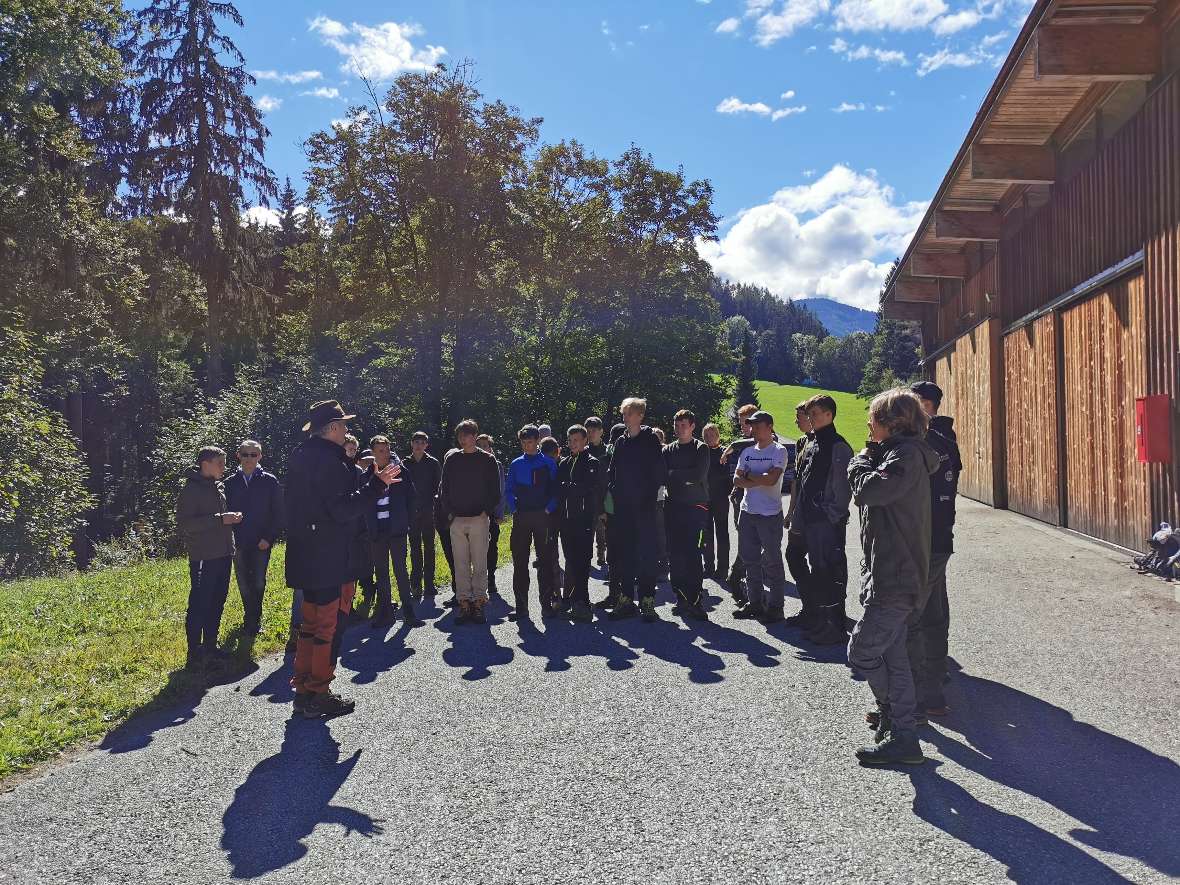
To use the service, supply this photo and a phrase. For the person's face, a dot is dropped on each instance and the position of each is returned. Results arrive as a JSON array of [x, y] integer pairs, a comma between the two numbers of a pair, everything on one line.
[[819, 417], [577, 442], [878, 432], [595, 435], [528, 444], [802, 421], [746, 426], [336, 432], [350, 449], [684, 429], [929, 408], [712, 438], [381, 454], [214, 468], [419, 446], [484, 444], [633, 418], [763, 432], [466, 441], [249, 458]]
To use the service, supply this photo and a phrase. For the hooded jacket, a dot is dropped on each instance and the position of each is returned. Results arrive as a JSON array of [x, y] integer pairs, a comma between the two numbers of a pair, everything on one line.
[[891, 486], [822, 481], [636, 470], [579, 487], [198, 516], [944, 483]]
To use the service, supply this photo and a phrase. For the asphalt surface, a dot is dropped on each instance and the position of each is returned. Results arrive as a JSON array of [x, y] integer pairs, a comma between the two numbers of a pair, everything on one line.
[[670, 753]]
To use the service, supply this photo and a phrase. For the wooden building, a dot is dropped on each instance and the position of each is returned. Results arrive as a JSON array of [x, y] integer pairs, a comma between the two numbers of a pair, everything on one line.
[[1046, 273]]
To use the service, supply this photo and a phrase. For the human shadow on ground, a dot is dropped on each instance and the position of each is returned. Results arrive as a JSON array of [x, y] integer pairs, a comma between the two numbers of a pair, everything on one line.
[[286, 797], [1124, 794], [368, 651], [561, 640], [473, 647]]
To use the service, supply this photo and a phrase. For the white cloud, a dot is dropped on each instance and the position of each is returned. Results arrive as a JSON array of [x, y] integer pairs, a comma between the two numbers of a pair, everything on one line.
[[955, 22], [734, 105], [834, 236], [845, 107], [774, 21], [788, 95], [266, 216], [947, 58], [810, 49], [349, 122], [268, 103], [881, 108], [729, 26], [291, 77], [887, 15], [379, 52], [993, 39], [323, 92], [862, 52], [787, 112]]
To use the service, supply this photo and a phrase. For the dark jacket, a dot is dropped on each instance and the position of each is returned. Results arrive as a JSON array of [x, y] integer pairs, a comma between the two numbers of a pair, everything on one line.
[[822, 483], [327, 499], [891, 486], [470, 484], [636, 470], [426, 476], [401, 506], [260, 501], [720, 477], [198, 516], [579, 487], [688, 472], [944, 483], [531, 484]]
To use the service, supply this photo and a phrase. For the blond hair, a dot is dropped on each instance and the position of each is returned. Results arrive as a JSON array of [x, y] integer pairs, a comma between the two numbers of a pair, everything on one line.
[[747, 410], [900, 411], [634, 402]]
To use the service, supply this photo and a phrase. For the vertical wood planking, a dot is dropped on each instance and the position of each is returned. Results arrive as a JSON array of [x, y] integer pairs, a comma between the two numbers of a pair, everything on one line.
[[964, 373], [1030, 397]]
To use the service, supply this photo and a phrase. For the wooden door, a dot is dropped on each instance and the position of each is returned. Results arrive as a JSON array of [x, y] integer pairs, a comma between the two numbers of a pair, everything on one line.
[[1030, 397]]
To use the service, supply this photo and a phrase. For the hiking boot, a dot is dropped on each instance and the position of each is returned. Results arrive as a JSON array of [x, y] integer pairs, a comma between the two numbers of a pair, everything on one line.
[[581, 613], [521, 614], [409, 616], [194, 659], [881, 725], [828, 634], [462, 612], [804, 620], [772, 616], [693, 610], [647, 605], [624, 608], [899, 748], [327, 705], [749, 613], [477, 615], [299, 705]]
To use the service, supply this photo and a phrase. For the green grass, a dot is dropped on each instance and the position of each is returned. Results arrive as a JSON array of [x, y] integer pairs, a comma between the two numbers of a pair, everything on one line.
[[82, 653], [852, 412]]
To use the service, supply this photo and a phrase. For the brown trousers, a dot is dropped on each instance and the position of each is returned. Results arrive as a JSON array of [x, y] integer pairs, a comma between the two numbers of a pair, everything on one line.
[[325, 613]]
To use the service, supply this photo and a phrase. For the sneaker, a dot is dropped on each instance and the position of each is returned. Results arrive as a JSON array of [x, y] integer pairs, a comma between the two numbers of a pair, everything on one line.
[[581, 613], [624, 608], [899, 748], [749, 613], [772, 616], [327, 705], [647, 605], [828, 634]]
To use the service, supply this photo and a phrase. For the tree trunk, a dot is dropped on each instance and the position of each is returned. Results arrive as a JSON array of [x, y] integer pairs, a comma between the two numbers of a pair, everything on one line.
[[214, 366]]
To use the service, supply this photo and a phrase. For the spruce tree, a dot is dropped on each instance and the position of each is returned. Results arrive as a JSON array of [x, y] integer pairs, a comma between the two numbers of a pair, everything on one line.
[[747, 370]]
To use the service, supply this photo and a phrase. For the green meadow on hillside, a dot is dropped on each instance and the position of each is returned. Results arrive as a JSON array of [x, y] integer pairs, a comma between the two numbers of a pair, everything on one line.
[[852, 412]]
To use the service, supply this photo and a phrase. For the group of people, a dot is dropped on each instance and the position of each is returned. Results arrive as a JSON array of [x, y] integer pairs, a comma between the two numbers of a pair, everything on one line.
[[652, 510]]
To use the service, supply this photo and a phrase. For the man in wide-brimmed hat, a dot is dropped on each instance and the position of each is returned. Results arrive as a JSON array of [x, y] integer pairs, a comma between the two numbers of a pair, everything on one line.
[[324, 504]]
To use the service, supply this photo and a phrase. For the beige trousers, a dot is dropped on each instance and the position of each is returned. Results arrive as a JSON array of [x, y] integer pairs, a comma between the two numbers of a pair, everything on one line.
[[469, 546]]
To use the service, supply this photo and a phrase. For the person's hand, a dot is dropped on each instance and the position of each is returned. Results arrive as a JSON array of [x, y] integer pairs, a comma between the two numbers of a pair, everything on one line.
[[231, 518], [365, 462], [725, 455], [389, 474], [264, 544], [786, 522]]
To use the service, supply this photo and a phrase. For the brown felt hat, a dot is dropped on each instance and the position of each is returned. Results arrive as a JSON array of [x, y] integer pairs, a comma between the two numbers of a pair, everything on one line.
[[323, 413]]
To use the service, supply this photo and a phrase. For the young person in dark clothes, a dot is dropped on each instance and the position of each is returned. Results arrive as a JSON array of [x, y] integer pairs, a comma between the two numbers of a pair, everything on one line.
[[470, 494], [796, 553], [634, 479], [324, 504], [530, 495], [442, 523], [890, 481], [579, 488], [820, 517], [729, 459], [425, 472], [551, 447], [362, 564], [760, 473], [612, 524], [388, 526], [661, 522], [206, 524], [716, 549], [485, 442], [687, 511], [597, 447], [257, 495]]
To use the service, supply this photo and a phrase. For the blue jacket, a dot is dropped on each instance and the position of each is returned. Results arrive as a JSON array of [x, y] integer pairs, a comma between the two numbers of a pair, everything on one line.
[[260, 501], [531, 484]]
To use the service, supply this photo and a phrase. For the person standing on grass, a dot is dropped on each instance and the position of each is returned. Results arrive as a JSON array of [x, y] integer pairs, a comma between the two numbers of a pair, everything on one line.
[[257, 495], [686, 511], [820, 517], [530, 495], [634, 480], [425, 472], [324, 505], [596, 446], [890, 481], [388, 525], [579, 485], [729, 458], [759, 474], [485, 442], [206, 524], [716, 547], [470, 494]]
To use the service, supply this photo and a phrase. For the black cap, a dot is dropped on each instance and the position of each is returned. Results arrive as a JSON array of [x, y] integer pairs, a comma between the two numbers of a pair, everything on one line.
[[761, 417], [323, 413], [617, 430], [928, 390]]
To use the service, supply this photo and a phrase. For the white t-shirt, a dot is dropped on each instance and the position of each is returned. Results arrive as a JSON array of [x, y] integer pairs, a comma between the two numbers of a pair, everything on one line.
[[763, 500]]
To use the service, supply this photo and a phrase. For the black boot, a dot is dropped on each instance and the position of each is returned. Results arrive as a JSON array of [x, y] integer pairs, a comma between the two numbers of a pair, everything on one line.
[[900, 747]]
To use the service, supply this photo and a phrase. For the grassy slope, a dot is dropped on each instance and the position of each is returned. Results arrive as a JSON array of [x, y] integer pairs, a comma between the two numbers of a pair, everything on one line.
[[780, 400], [80, 654]]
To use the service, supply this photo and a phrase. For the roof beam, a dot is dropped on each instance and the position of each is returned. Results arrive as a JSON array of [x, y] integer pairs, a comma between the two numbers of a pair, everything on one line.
[[916, 291], [1013, 163], [967, 226], [951, 265], [1098, 52], [903, 310]]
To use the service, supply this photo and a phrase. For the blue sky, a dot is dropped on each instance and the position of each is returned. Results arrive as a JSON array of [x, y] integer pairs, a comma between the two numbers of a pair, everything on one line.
[[824, 125]]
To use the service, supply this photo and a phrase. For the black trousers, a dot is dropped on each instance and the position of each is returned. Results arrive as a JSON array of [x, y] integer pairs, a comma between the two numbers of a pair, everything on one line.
[[250, 565], [530, 530], [825, 581], [444, 540], [686, 524], [577, 543], [637, 547], [208, 587], [737, 571], [927, 633], [384, 549], [493, 551], [717, 536], [422, 550]]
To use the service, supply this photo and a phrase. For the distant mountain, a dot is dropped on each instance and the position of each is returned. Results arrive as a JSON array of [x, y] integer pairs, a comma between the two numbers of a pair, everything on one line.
[[839, 319]]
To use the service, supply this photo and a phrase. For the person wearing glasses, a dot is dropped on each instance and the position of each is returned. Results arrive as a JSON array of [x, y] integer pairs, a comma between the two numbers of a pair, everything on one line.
[[257, 495]]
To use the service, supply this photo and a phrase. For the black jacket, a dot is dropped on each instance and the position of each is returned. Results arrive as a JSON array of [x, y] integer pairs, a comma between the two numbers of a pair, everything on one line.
[[326, 504], [403, 501], [688, 472], [944, 483], [822, 482], [891, 485], [260, 501], [425, 475], [636, 471], [579, 487], [720, 477]]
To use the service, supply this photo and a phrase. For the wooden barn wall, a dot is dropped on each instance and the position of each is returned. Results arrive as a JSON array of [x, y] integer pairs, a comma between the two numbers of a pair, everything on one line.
[[967, 373], [1104, 358], [1030, 402]]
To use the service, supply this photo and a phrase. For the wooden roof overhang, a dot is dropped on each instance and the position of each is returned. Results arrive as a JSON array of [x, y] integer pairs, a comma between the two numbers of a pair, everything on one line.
[[1068, 57]]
